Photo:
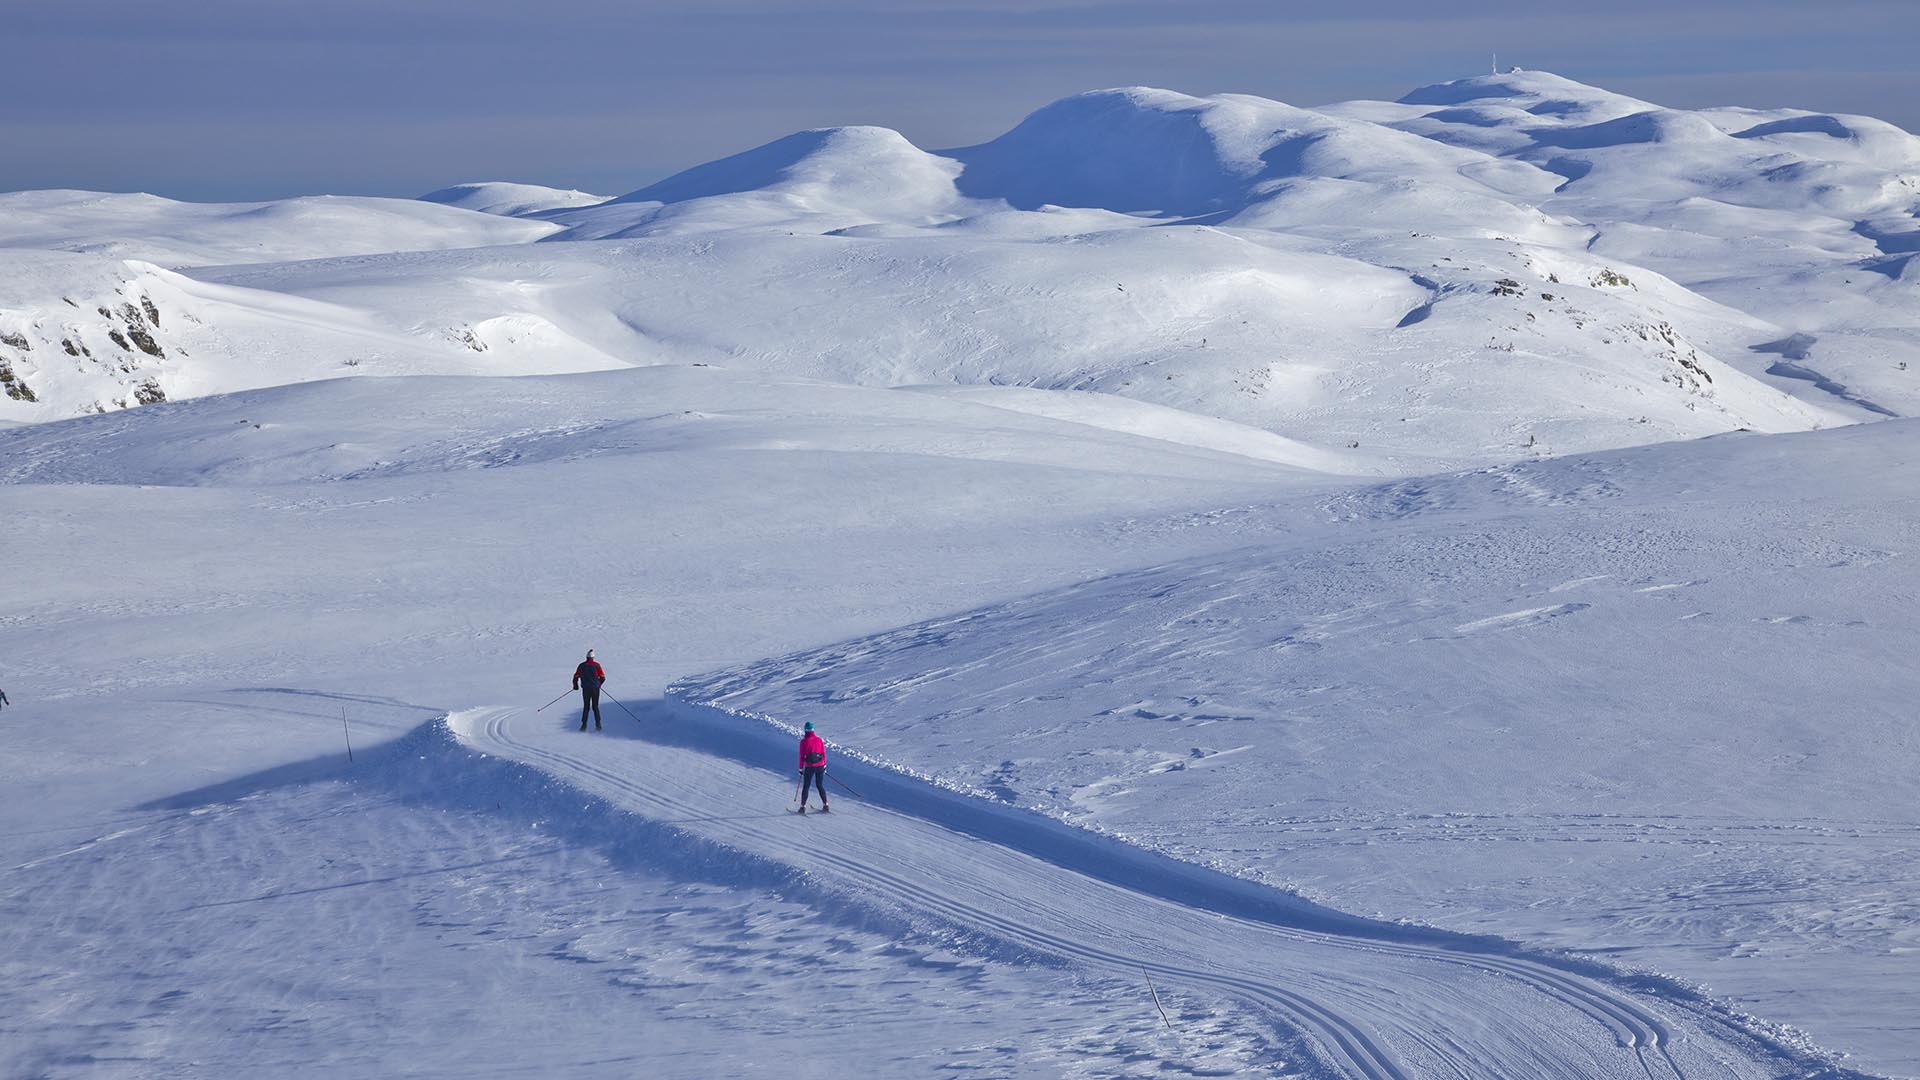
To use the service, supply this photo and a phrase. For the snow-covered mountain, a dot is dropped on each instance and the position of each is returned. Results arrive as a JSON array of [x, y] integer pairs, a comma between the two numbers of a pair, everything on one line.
[[113, 333], [180, 234], [1489, 269], [509, 199]]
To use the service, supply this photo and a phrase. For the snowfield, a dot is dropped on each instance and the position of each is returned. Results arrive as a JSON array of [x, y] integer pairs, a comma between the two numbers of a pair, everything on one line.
[[1393, 590]]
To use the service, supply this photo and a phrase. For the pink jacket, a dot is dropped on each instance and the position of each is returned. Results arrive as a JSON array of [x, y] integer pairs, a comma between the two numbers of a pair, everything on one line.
[[811, 745]]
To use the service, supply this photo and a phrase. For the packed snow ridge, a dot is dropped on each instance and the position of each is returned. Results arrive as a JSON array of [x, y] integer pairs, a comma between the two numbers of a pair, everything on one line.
[[1489, 269]]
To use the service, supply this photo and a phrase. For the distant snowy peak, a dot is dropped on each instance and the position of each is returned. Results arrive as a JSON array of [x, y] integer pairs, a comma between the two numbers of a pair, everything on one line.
[[1139, 149], [822, 180], [823, 159], [1236, 159], [1522, 154], [510, 200], [1619, 149], [177, 234], [1536, 93], [1133, 151]]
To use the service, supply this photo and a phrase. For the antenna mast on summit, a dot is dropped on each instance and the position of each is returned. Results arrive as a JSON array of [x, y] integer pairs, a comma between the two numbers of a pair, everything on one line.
[[1496, 61]]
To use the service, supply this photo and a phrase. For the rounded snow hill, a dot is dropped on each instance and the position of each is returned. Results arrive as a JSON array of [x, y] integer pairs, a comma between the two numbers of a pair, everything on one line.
[[358, 428], [1468, 275], [1113, 413], [820, 180], [510, 200], [1144, 150], [1538, 93], [86, 333], [176, 234]]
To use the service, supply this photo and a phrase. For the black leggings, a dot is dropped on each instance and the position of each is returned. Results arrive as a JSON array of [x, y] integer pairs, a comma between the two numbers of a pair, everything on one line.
[[589, 699], [813, 776]]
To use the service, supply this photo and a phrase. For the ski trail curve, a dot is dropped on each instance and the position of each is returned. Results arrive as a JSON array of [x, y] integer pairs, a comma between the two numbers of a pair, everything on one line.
[[1369, 1006]]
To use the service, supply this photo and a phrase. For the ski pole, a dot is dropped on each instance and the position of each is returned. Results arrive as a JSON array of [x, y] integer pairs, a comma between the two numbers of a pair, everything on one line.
[[796, 790], [850, 791], [550, 704], [616, 701]]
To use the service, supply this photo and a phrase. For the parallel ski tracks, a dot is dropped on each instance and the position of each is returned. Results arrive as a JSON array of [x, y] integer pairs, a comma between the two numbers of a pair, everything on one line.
[[1342, 1038]]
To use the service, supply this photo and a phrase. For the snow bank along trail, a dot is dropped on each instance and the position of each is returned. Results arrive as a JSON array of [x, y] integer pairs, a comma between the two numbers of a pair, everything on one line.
[[1373, 1000]]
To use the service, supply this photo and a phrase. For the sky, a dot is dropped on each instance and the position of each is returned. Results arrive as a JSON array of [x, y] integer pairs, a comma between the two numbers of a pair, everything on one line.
[[253, 99]]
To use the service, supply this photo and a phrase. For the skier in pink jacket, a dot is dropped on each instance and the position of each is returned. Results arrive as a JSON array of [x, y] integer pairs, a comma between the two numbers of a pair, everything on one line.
[[813, 767]]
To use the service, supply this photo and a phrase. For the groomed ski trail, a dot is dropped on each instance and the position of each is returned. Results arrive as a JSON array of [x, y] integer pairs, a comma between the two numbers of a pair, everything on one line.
[[1368, 1005]]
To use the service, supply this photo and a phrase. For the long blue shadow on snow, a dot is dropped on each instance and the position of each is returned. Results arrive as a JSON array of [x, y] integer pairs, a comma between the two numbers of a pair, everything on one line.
[[762, 742], [765, 743], [429, 768], [289, 703]]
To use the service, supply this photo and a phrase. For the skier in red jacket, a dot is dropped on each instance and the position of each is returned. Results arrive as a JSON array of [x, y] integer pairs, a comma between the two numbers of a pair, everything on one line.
[[587, 679], [813, 767]]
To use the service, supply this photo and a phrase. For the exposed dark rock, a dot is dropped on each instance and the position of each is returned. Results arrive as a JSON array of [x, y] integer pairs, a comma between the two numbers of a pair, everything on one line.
[[145, 341], [15, 387]]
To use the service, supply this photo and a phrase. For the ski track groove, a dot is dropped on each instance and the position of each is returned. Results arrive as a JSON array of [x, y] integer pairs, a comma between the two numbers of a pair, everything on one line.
[[1341, 1037], [1367, 1059]]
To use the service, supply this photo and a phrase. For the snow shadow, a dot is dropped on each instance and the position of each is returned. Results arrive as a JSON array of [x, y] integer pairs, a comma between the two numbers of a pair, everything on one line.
[[764, 743], [1795, 348], [301, 705], [430, 769]]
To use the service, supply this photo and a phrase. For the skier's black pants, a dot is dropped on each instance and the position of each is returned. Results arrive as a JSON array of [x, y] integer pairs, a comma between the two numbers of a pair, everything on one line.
[[813, 776], [589, 699]]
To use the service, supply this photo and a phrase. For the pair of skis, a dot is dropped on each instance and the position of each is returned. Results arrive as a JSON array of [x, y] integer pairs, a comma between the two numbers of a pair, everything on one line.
[[797, 788]]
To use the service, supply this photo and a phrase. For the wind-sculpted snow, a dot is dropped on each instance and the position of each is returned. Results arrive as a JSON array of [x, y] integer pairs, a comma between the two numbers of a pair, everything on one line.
[[1541, 700], [1494, 269]]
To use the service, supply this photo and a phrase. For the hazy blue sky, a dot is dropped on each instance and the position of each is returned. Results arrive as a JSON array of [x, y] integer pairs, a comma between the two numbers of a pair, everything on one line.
[[213, 99]]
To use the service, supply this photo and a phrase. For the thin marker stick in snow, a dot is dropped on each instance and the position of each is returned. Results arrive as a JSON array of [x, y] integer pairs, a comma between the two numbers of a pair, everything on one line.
[[1156, 999], [550, 704], [623, 708], [850, 791], [346, 733]]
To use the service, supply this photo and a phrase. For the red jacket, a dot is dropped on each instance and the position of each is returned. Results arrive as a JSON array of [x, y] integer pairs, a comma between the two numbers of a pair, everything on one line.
[[589, 669], [811, 743]]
